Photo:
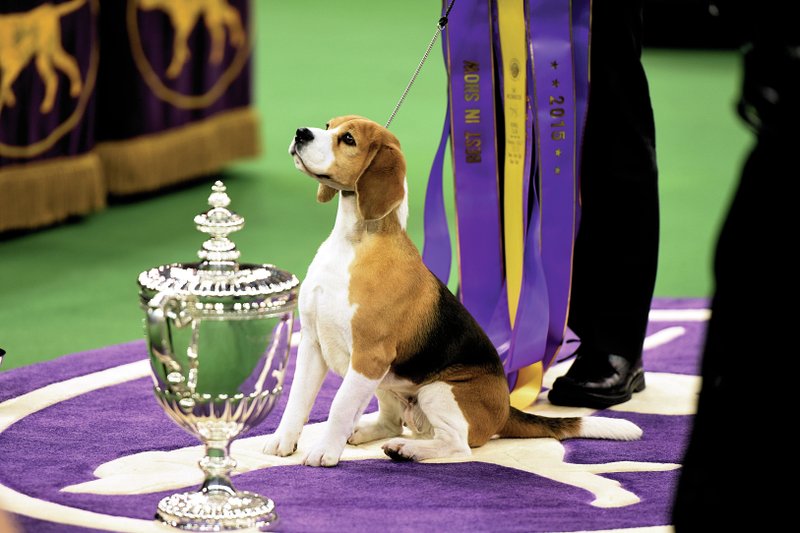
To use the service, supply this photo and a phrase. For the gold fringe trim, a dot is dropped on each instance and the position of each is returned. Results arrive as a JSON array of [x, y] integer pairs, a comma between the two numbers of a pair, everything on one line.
[[149, 162], [43, 192]]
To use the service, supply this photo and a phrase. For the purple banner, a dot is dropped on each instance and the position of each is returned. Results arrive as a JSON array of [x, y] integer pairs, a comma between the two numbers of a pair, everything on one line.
[[162, 68], [47, 92]]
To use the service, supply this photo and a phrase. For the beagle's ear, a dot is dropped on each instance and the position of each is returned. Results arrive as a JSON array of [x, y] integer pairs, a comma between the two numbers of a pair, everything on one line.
[[380, 187], [325, 193]]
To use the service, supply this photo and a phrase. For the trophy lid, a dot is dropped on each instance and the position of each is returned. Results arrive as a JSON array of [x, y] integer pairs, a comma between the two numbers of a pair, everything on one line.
[[219, 285]]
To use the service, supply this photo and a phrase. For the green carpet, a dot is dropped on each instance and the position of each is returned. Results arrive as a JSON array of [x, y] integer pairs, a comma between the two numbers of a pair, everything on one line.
[[73, 287]]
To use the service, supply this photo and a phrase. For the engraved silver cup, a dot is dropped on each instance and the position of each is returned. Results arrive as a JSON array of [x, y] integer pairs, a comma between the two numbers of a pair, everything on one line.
[[219, 335]]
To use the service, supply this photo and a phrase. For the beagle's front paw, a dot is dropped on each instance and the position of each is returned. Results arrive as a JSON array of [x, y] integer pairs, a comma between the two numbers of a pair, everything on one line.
[[281, 443], [322, 454]]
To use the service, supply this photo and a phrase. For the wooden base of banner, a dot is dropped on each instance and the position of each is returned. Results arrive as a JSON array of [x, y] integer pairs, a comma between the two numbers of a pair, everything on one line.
[[149, 162], [44, 192]]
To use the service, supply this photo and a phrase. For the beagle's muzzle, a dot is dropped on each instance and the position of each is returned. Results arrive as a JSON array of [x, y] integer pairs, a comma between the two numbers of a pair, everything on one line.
[[373, 313]]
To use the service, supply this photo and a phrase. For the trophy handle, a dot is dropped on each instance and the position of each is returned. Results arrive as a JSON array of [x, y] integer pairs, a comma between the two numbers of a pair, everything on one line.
[[165, 308]]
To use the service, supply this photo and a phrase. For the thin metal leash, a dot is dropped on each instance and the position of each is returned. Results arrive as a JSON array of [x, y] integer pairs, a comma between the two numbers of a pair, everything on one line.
[[439, 27]]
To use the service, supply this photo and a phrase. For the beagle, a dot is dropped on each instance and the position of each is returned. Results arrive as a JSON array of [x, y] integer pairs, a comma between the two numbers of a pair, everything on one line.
[[373, 313]]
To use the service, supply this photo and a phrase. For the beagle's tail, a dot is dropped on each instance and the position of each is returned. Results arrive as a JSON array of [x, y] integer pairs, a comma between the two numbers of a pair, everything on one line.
[[526, 425]]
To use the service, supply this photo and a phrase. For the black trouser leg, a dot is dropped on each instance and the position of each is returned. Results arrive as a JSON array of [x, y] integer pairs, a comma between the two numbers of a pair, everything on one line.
[[616, 252], [741, 438], [744, 321]]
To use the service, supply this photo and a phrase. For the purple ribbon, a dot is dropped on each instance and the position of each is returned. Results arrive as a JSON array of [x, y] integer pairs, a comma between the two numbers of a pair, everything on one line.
[[581, 37], [554, 97], [472, 120], [558, 90], [436, 253]]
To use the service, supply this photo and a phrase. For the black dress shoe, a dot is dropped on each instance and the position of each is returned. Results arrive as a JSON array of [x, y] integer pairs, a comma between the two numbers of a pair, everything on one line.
[[598, 380]]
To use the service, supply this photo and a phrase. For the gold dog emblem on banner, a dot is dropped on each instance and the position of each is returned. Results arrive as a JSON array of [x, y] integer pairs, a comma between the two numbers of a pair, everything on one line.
[[220, 19], [35, 37]]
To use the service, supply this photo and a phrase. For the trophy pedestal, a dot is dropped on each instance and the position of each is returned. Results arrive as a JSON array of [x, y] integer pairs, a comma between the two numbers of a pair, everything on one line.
[[217, 511]]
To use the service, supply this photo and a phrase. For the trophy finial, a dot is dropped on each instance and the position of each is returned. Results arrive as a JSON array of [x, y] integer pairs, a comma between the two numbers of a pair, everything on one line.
[[219, 198], [219, 222]]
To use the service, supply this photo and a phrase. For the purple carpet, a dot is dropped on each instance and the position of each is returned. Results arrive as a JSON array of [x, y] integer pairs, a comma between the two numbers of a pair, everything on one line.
[[64, 443]]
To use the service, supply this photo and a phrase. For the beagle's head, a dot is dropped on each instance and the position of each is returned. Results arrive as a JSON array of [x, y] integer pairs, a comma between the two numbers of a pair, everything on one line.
[[357, 155]]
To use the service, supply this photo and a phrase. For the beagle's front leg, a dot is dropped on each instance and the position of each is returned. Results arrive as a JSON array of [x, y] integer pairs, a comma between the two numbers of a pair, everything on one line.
[[348, 405], [308, 377]]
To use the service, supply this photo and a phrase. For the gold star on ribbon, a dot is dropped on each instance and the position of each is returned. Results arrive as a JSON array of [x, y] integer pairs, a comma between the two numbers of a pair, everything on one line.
[[558, 152], [555, 83], [558, 170], [554, 64]]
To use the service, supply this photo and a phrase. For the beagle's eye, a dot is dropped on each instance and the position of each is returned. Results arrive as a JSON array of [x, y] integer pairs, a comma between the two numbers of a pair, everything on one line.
[[348, 139]]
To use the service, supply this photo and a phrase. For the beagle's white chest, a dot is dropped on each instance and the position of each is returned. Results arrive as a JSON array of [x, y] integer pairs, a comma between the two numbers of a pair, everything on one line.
[[325, 309]]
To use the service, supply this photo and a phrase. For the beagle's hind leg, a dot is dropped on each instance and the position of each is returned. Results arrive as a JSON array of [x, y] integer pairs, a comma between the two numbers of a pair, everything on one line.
[[388, 424], [450, 428]]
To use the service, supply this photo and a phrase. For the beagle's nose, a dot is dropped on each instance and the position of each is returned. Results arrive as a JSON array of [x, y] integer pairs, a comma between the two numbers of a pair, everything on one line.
[[303, 135]]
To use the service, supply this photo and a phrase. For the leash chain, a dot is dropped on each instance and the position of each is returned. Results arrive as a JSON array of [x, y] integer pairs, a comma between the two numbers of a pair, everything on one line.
[[439, 27]]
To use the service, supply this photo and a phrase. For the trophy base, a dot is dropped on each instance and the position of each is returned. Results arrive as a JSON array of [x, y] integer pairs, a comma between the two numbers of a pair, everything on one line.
[[217, 511]]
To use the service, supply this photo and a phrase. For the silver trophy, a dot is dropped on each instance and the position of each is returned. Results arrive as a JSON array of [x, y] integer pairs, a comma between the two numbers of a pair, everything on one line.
[[219, 334]]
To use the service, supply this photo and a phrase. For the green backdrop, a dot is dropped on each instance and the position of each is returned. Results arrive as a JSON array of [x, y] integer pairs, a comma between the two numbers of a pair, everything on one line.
[[73, 287]]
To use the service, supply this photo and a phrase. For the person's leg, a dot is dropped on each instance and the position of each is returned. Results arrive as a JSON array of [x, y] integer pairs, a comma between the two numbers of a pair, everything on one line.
[[616, 251], [734, 456]]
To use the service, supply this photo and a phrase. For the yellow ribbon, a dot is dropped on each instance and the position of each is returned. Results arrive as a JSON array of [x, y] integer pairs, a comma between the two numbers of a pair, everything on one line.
[[529, 384], [511, 22], [513, 47]]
